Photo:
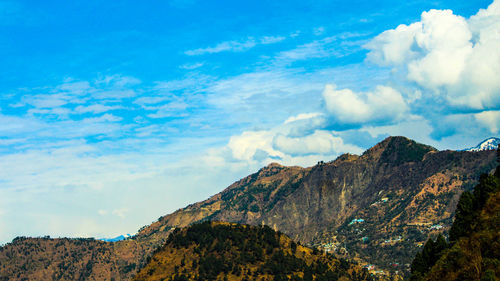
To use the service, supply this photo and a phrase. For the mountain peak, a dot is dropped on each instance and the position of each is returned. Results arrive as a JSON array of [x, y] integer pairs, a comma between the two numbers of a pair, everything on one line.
[[274, 164], [397, 150], [487, 144]]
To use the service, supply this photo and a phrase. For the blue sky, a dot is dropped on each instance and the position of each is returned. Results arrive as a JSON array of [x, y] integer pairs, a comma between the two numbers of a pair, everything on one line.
[[115, 113]]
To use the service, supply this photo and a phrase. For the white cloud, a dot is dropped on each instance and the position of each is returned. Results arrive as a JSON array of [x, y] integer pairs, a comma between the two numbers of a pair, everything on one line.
[[13, 125], [144, 100], [235, 46], [246, 145], [337, 46], [103, 118], [271, 39], [227, 46], [382, 106], [60, 112], [297, 141], [448, 56], [444, 40], [304, 124], [320, 143], [264, 86], [47, 101], [117, 81], [191, 82], [191, 66], [74, 87], [94, 108], [302, 116], [489, 119], [311, 50], [174, 108], [115, 94]]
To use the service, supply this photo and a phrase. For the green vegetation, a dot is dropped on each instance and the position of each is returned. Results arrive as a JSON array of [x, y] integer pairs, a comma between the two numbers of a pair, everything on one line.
[[400, 151], [223, 251], [474, 249]]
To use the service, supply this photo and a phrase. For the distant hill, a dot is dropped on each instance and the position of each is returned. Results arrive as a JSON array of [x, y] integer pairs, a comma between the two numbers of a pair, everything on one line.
[[117, 238], [474, 249], [224, 251], [488, 144], [377, 208]]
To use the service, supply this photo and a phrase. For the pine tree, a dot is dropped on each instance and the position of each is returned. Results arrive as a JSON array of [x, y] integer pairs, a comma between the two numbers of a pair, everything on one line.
[[464, 217]]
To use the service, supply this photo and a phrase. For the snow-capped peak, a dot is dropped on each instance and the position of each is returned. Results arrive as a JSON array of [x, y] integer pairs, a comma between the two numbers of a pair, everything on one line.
[[118, 238], [487, 144]]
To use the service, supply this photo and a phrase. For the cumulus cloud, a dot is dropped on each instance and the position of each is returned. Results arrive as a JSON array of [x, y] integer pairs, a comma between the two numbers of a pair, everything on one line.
[[320, 143], [246, 145], [300, 140], [489, 119], [348, 108], [449, 56], [304, 124]]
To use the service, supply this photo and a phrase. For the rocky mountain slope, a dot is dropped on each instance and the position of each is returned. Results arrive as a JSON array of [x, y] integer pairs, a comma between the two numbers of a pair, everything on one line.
[[473, 252], [224, 251], [377, 208]]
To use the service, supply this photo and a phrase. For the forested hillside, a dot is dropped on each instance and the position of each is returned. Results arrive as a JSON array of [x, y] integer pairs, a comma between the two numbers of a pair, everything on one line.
[[225, 251]]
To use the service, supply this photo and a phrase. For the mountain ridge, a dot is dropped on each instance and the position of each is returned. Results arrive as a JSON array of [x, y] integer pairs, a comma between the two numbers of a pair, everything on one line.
[[373, 208], [305, 212]]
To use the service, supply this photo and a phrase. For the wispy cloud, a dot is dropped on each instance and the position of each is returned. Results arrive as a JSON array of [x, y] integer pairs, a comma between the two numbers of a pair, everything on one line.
[[191, 66], [95, 108], [235, 46], [339, 45], [318, 30], [271, 39]]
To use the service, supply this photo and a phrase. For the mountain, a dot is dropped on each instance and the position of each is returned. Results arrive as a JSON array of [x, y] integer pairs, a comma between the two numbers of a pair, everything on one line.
[[377, 209], [227, 251], [474, 249], [488, 144], [117, 238], [70, 259]]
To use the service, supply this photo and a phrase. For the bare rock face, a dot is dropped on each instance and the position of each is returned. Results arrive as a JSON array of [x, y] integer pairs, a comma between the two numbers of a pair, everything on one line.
[[377, 208]]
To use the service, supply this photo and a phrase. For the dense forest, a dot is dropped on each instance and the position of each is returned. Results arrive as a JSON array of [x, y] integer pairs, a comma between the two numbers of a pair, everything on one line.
[[224, 251]]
